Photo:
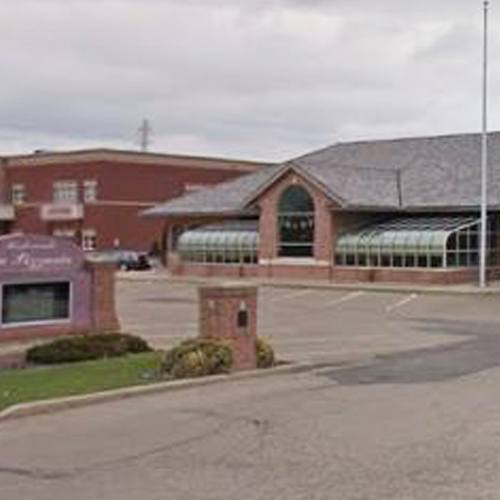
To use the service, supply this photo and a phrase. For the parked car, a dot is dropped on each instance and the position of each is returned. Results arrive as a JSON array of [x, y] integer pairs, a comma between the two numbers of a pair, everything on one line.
[[126, 260]]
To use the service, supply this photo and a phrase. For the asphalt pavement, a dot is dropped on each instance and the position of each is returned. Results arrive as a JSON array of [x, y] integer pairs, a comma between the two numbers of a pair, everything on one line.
[[415, 415]]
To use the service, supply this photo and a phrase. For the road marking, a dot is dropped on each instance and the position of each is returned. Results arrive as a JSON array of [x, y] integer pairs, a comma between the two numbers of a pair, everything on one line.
[[293, 295], [401, 302], [345, 298]]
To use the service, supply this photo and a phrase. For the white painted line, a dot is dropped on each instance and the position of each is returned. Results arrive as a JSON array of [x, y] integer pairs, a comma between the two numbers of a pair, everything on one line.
[[401, 302], [293, 295], [345, 298]]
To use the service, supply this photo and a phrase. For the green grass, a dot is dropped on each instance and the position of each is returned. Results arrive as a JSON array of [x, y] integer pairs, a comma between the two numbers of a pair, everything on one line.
[[33, 384]]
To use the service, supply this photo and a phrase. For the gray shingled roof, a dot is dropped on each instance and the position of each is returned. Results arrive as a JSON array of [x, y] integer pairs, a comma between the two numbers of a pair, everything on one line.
[[415, 173], [225, 198]]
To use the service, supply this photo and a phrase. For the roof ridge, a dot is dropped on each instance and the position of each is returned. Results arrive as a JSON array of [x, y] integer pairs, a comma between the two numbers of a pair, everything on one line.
[[118, 151], [394, 139], [356, 167], [414, 138]]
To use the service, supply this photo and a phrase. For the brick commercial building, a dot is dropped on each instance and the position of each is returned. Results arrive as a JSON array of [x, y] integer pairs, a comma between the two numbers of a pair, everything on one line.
[[96, 196], [403, 210]]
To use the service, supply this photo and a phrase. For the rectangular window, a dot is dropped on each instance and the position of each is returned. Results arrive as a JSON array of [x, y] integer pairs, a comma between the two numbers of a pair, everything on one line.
[[89, 240], [64, 233], [89, 191], [65, 192], [18, 194], [35, 302]]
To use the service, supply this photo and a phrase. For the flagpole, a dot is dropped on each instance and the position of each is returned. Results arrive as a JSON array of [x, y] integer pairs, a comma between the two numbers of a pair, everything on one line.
[[484, 155]]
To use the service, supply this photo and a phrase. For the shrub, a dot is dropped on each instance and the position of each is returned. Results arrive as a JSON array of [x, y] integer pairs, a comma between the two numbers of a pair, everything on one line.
[[198, 357], [265, 354], [86, 347]]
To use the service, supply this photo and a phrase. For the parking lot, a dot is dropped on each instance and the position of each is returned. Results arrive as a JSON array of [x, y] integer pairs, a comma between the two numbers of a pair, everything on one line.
[[319, 325]]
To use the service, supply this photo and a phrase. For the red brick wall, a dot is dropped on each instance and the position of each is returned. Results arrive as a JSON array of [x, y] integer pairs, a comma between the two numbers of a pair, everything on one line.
[[124, 190], [103, 307], [117, 181], [335, 274]]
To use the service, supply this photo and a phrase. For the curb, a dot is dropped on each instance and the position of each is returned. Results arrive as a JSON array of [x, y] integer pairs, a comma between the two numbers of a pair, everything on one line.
[[349, 287], [55, 405]]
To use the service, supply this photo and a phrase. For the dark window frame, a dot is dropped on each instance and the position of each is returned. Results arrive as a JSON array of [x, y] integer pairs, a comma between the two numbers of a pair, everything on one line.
[[64, 315], [296, 223]]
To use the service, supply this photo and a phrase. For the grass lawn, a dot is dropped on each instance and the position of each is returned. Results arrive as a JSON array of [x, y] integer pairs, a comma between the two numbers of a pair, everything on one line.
[[32, 384]]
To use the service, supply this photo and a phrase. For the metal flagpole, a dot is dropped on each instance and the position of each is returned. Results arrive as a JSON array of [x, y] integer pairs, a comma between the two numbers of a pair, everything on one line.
[[484, 157]]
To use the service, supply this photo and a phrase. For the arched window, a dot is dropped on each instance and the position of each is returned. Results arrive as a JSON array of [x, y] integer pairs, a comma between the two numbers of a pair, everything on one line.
[[296, 223]]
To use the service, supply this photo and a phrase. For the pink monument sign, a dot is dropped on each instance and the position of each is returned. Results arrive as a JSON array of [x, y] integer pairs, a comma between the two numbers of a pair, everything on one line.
[[47, 288]]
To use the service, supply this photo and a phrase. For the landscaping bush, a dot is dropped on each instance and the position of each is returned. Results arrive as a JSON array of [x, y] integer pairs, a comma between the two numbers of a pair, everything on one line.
[[265, 354], [198, 357], [85, 348]]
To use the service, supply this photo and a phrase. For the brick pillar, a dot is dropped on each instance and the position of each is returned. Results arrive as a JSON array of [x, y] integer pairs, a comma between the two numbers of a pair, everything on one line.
[[229, 312], [4, 188], [103, 308]]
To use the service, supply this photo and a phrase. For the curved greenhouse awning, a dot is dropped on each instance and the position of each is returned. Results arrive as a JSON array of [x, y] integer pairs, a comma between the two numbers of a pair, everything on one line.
[[417, 236], [230, 243]]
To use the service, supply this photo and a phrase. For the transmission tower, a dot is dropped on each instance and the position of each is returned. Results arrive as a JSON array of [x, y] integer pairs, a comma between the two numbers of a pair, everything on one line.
[[145, 134]]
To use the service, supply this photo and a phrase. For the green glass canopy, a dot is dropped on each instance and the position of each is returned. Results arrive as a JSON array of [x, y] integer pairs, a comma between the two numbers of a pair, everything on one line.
[[231, 243], [416, 236]]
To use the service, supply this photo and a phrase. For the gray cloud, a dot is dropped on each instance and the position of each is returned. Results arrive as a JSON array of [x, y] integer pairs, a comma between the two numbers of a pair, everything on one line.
[[260, 79]]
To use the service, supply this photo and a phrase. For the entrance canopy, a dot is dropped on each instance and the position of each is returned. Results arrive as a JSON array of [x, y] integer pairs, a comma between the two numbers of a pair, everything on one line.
[[436, 241]]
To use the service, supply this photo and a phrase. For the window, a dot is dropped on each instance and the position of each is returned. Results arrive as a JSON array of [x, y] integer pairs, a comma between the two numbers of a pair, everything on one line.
[[296, 223], [89, 191], [235, 242], [35, 302], [418, 241], [18, 194], [64, 233], [176, 232], [65, 192], [89, 240]]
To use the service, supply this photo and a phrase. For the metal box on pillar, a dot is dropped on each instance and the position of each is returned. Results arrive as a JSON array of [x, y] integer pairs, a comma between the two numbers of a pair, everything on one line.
[[229, 312]]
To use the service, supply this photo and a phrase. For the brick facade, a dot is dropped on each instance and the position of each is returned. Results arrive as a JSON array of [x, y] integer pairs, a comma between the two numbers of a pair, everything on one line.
[[335, 274], [127, 184], [329, 221], [269, 235]]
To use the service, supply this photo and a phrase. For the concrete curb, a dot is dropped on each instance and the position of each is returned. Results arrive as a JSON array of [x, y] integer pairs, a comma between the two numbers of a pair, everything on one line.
[[60, 404], [347, 287]]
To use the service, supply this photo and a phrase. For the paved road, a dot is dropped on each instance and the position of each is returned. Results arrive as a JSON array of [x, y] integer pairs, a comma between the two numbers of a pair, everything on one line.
[[421, 421], [291, 437]]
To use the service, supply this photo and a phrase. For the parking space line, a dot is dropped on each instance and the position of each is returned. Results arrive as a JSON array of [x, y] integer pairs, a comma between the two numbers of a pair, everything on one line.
[[293, 295], [345, 298], [401, 302]]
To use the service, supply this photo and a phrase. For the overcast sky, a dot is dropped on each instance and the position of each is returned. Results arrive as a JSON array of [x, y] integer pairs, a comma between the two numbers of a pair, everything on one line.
[[242, 78]]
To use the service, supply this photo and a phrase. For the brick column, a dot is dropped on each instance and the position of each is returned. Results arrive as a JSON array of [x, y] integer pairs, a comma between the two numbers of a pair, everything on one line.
[[229, 312], [323, 230], [4, 188], [103, 308]]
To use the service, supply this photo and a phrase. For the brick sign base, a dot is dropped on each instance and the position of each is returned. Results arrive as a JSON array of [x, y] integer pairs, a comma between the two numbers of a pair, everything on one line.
[[229, 312]]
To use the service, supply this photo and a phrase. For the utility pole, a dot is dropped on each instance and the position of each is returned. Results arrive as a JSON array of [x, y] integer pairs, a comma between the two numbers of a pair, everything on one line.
[[145, 134], [484, 156]]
